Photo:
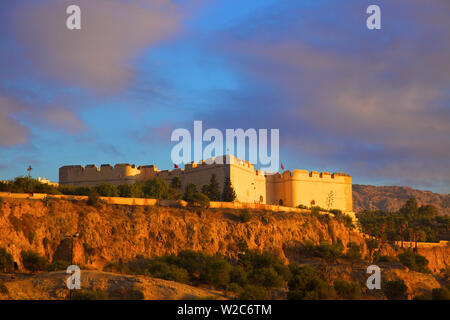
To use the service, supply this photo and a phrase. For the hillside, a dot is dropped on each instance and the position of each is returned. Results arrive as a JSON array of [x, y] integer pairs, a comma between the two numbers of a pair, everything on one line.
[[51, 285], [115, 232], [391, 198]]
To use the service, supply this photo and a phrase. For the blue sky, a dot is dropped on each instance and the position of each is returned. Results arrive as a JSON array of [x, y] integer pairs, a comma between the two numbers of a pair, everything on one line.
[[374, 104]]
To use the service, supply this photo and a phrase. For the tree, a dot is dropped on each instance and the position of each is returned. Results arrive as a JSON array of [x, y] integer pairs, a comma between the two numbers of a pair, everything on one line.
[[395, 290], [410, 208], [353, 253], [32, 261], [131, 190], [228, 195], [156, 188], [107, 190], [214, 192]]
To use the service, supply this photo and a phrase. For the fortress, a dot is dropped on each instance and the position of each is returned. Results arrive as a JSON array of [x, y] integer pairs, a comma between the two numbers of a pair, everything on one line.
[[300, 187]]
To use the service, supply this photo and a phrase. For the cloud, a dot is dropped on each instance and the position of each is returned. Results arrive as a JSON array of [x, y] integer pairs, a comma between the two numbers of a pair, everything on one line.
[[374, 100], [12, 132], [99, 56]]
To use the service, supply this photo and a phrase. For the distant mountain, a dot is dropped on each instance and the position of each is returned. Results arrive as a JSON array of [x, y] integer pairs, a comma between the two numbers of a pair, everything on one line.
[[392, 198]]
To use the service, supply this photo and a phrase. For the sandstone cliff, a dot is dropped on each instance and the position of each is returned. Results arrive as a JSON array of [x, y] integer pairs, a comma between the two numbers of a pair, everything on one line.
[[114, 233]]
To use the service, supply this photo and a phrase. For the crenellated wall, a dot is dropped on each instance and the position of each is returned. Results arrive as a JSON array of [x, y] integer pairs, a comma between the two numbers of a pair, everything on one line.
[[299, 187]]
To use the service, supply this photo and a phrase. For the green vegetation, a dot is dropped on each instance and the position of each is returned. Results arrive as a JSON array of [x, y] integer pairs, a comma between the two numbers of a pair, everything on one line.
[[252, 276], [212, 189], [395, 290], [410, 223], [3, 288], [245, 215], [228, 194], [33, 262], [414, 261], [440, 294], [93, 198], [58, 265], [27, 185], [347, 290], [6, 261], [306, 284], [195, 198]]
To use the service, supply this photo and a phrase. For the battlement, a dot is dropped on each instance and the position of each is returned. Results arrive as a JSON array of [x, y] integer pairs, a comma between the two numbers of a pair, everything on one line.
[[291, 188]]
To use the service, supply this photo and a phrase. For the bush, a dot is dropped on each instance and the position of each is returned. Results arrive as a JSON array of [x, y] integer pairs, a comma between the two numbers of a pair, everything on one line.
[[329, 252], [440, 294], [93, 198], [6, 261], [395, 290], [58, 265], [347, 290], [354, 252], [134, 190], [252, 292], [245, 215], [156, 189], [159, 269], [89, 295], [195, 198], [306, 284], [116, 267], [107, 190], [3, 288], [33, 262], [414, 261]]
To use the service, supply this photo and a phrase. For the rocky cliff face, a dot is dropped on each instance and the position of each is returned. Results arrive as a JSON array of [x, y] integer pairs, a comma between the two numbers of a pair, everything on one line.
[[391, 198], [114, 233]]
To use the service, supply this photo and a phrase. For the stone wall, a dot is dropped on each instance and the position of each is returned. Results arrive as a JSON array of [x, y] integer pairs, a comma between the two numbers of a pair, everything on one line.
[[329, 191]]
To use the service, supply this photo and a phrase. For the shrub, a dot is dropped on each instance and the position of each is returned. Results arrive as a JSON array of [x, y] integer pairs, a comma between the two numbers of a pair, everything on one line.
[[156, 189], [228, 193], [395, 290], [107, 190], [58, 265], [116, 267], [32, 261], [329, 252], [6, 261], [245, 215], [440, 294], [354, 252], [414, 261], [93, 198], [134, 190], [306, 284], [89, 295], [347, 290], [252, 292], [159, 269], [3, 288]]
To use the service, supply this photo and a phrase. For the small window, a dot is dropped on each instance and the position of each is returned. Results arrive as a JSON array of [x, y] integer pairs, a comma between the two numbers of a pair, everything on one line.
[[261, 199], [281, 202]]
